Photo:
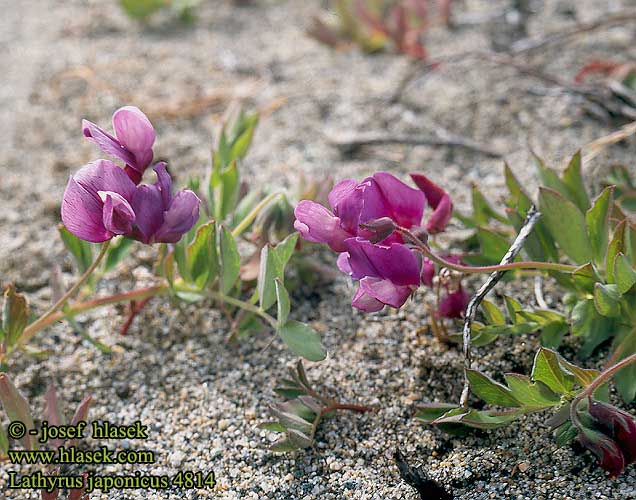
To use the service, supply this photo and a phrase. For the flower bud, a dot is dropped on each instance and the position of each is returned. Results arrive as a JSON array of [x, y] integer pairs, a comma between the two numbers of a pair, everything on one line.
[[380, 229], [609, 455], [619, 425]]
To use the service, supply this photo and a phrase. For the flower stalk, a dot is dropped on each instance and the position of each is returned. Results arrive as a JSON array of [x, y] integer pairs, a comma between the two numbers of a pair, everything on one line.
[[42, 321]]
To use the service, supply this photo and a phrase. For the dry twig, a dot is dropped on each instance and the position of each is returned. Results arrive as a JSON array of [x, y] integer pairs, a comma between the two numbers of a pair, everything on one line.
[[532, 218], [348, 143]]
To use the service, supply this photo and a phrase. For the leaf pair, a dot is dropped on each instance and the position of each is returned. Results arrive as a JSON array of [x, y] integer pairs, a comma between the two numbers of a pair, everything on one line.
[[552, 324], [552, 379], [224, 183]]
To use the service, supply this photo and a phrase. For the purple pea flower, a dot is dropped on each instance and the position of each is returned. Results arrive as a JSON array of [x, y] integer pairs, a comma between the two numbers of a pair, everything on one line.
[[388, 274], [96, 204], [355, 203], [133, 141], [453, 304], [361, 227], [161, 217], [438, 199], [101, 202]]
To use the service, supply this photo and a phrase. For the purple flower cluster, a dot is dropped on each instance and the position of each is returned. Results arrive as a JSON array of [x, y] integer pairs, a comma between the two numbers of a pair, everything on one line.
[[102, 200], [360, 226]]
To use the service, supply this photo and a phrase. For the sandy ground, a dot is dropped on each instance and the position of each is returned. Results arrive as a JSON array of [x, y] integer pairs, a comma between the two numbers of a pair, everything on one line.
[[62, 61]]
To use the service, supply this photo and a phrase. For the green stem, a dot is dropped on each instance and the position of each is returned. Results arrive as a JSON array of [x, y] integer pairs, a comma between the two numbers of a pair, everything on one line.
[[80, 307], [243, 305], [596, 383], [426, 251], [136, 295], [36, 326], [249, 218]]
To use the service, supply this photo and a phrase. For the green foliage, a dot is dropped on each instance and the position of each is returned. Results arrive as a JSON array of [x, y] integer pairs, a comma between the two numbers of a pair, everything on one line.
[[141, 10], [514, 320], [224, 183], [298, 417], [553, 382], [82, 251], [15, 316], [214, 260], [596, 234]]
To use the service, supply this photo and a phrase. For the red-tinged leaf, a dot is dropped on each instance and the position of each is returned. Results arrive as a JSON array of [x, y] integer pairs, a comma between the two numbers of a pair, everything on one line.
[[597, 66], [52, 413], [81, 414], [15, 315], [79, 494], [16, 407], [323, 33]]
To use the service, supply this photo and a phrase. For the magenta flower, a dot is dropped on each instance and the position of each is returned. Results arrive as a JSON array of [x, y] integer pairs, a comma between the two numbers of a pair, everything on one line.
[[101, 201], [161, 217], [453, 304], [438, 199], [388, 274], [355, 203], [133, 141], [361, 227], [96, 203]]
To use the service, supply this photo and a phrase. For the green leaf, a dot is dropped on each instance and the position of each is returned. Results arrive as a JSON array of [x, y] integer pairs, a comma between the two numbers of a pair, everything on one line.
[[624, 274], [552, 334], [531, 394], [584, 376], [566, 224], [550, 178], [16, 407], [117, 250], [272, 426], [482, 211], [616, 246], [548, 370], [291, 420], [588, 323], [518, 200], [282, 299], [226, 191], [492, 313], [607, 300], [267, 273], [141, 9], [244, 133], [490, 391], [487, 419], [284, 445], [625, 379], [302, 340], [4, 442], [493, 246], [585, 277], [81, 250], [15, 315], [573, 181], [201, 256], [566, 433], [284, 250], [512, 306], [432, 411], [230, 260], [597, 221]]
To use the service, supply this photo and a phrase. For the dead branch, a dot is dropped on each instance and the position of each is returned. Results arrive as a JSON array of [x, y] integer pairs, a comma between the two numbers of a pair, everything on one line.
[[532, 218], [349, 143]]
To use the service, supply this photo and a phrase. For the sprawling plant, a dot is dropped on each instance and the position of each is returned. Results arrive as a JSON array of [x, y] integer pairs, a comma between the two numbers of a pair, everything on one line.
[[375, 25], [588, 246]]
